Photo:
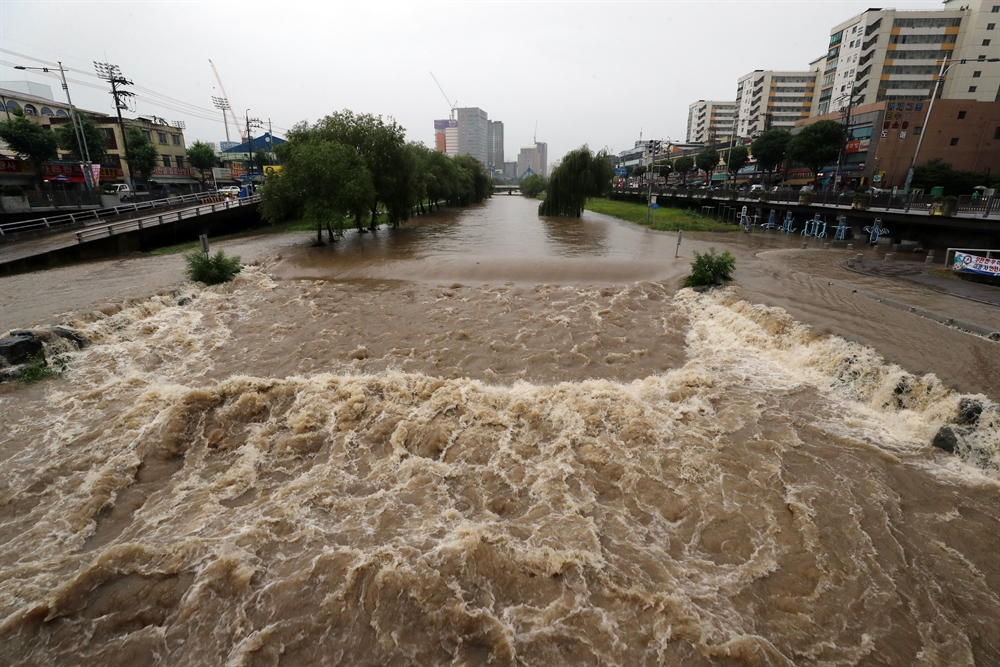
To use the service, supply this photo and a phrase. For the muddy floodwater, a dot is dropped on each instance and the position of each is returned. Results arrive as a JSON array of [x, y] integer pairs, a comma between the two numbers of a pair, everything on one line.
[[490, 438]]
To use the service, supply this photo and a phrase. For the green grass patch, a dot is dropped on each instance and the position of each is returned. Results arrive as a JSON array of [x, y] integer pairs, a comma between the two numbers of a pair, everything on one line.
[[663, 219]]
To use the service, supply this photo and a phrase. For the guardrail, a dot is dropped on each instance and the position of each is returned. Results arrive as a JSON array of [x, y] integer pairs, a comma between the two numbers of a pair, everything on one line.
[[102, 231], [89, 217], [913, 203]]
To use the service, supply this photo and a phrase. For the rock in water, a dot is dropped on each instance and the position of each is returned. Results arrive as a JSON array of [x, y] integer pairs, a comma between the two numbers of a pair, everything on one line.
[[946, 439], [969, 410], [17, 347]]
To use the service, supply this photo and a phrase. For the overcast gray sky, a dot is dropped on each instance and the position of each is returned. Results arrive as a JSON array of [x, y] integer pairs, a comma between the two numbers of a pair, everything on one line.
[[587, 72]]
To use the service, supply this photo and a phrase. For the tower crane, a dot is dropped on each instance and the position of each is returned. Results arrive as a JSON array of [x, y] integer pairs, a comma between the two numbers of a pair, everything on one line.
[[451, 105], [225, 95]]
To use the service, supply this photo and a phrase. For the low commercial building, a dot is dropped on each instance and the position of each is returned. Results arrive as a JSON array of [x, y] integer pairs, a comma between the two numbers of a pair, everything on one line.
[[883, 137]]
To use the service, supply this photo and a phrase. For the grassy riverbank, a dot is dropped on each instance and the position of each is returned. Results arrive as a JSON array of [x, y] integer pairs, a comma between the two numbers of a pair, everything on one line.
[[663, 219]]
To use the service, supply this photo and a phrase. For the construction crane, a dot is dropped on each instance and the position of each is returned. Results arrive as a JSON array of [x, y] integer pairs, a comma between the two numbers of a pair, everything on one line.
[[451, 105], [225, 95]]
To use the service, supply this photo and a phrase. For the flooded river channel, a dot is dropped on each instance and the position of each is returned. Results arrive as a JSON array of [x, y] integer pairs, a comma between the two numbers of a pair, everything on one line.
[[491, 438]]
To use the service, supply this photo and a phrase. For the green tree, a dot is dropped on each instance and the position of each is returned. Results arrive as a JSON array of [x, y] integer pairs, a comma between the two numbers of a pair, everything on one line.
[[201, 156], [262, 157], [140, 152], [955, 182], [533, 185], [322, 181], [97, 145], [739, 157], [381, 146], [30, 141], [683, 165], [707, 161], [817, 145], [474, 183], [770, 149], [582, 174]]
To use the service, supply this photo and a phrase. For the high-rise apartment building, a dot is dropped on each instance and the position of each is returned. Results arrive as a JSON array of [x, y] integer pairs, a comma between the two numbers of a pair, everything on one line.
[[710, 121], [768, 100], [494, 140], [895, 56], [543, 158], [473, 133]]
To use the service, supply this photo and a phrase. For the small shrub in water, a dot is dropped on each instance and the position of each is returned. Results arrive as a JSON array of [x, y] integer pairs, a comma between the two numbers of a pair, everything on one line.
[[211, 269], [710, 268], [38, 369]]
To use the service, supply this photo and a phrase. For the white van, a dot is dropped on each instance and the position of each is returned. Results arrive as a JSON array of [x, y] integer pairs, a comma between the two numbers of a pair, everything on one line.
[[756, 187]]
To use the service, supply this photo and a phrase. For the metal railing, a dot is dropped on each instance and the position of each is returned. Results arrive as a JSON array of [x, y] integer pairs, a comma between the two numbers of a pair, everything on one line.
[[60, 222], [102, 231], [884, 201]]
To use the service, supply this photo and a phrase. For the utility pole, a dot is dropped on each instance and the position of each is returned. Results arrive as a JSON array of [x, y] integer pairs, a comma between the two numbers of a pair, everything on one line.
[[113, 75], [252, 123], [78, 131], [846, 113], [222, 104]]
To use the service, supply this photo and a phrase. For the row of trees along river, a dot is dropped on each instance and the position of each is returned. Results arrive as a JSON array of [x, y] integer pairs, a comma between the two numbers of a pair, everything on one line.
[[347, 168]]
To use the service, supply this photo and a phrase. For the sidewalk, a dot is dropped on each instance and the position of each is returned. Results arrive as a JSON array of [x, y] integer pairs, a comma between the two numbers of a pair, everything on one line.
[[929, 275]]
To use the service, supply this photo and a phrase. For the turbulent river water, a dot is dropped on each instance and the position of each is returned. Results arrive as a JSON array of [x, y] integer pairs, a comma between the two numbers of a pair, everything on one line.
[[490, 438]]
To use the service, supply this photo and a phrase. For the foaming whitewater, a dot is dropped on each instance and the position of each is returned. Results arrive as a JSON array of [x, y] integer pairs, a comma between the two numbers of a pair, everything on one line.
[[315, 473]]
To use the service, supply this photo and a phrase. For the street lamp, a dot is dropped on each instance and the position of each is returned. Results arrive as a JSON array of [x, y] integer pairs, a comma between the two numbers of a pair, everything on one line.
[[81, 144], [927, 119], [222, 104]]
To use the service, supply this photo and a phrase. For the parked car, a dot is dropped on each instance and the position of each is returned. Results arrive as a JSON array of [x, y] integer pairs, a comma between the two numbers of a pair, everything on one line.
[[756, 187]]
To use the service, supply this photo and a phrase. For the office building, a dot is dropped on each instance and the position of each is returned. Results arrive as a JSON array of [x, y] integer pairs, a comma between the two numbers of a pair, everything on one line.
[[473, 133], [446, 136], [494, 146]]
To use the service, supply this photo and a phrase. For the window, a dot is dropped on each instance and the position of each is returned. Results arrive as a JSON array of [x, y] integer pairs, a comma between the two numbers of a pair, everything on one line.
[[30, 110], [996, 9], [166, 160], [986, 42], [176, 138], [991, 26], [147, 134], [180, 161], [162, 136], [61, 113], [46, 111], [954, 141], [977, 74], [972, 89], [961, 115], [918, 130]]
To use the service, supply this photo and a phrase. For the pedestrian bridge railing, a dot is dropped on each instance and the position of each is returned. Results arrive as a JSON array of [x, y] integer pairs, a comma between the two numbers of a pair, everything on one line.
[[62, 222], [102, 231]]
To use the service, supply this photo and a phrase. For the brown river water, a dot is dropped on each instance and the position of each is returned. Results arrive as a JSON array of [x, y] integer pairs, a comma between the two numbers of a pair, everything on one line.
[[490, 438]]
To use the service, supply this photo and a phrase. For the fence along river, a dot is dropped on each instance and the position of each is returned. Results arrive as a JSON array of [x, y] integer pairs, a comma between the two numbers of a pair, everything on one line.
[[390, 452]]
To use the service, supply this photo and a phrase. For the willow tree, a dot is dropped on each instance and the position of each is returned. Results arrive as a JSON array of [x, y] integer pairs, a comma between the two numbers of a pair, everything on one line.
[[581, 175]]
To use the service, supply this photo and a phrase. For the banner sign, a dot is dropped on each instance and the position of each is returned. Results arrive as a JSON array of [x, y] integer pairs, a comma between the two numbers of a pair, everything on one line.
[[222, 174], [983, 266], [621, 172], [171, 171], [272, 169]]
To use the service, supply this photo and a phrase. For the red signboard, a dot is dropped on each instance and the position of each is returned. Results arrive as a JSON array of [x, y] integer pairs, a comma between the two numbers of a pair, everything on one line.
[[171, 171]]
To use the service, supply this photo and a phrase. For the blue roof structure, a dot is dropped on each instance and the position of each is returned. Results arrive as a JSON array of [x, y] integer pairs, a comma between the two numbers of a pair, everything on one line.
[[261, 143]]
